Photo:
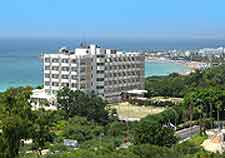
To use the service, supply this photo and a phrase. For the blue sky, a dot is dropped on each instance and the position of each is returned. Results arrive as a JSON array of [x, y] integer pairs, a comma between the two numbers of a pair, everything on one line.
[[113, 18]]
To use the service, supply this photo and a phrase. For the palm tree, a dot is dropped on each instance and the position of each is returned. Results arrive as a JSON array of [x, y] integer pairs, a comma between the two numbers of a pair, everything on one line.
[[200, 109]]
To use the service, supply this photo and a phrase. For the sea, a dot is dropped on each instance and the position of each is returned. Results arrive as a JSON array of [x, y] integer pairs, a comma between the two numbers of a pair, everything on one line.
[[20, 63]]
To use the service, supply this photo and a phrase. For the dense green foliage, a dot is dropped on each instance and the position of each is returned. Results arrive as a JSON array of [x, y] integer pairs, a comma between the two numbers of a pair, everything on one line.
[[204, 103], [15, 118], [177, 85], [19, 122], [78, 103], [154, 129], [41, 134], [100, 134], [81, 129]]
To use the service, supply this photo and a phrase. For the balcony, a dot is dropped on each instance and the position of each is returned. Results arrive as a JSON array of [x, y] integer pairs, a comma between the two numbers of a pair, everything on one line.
[[47, 64], [100, 60], [65, 64], [47, 71], [100, 83], [46, 79], [55, 64], [65, 80], [65, 72], [100, 75], [73, 73], [55, 88], [55, 72], [55, 80], [74, 81], [100, 68], [74, 65]]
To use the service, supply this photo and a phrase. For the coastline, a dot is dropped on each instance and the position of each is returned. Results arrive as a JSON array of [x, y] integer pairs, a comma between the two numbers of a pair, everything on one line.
[[155, 67], [191, 65]]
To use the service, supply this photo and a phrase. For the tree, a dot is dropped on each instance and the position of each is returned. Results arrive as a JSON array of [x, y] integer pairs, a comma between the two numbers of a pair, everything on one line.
[[15, 115], [41, 133], [178, 85], [78, 103], [80, 129], [66, 102], [154, 130], [204, 101]]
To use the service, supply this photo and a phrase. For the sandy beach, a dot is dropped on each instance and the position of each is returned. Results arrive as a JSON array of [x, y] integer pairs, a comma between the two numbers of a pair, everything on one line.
[[192, 65]]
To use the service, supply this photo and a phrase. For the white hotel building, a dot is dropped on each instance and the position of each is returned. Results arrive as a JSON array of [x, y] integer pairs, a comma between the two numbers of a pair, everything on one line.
[[106, 72]]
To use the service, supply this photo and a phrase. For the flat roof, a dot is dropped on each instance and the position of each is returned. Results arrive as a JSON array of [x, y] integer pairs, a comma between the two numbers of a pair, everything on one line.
[[137, 91], [40, 94]]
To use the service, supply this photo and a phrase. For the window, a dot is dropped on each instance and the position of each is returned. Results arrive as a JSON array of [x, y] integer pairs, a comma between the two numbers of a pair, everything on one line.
[[56, 84], [100, 72], [65, 84], [100, 64], [65, 68], [74, 85], [107, 67], [74, 61], [82, 63], [82, 86], [74, 77], [65, 61], [56, 68], [47, 60], [74, 69], [65, 76], [82, 78], [100, 79], [47, 75], [100, 56], [55, 76], [82, 70], [47, 83], [129, 59], [47, 67], [100, 87], [55, 60]]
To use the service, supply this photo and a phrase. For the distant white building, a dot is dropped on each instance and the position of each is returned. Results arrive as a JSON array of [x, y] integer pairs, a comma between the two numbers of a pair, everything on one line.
[[211, 51], [106, 72]]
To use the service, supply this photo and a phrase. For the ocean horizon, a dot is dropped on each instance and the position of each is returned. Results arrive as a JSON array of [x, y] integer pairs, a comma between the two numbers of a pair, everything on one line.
[[20, 63]]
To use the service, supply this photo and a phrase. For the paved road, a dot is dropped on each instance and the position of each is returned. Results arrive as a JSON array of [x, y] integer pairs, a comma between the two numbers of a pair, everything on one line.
[[188, 132]]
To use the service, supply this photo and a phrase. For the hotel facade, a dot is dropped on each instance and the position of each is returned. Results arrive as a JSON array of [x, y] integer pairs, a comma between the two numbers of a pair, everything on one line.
[[106, 72]]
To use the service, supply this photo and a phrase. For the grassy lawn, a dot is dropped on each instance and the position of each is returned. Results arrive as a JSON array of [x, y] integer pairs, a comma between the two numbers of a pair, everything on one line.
[[198, 139], [127, 110]]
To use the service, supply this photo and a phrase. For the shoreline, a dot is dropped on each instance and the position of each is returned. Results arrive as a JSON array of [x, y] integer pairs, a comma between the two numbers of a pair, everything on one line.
[[191, 65]]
